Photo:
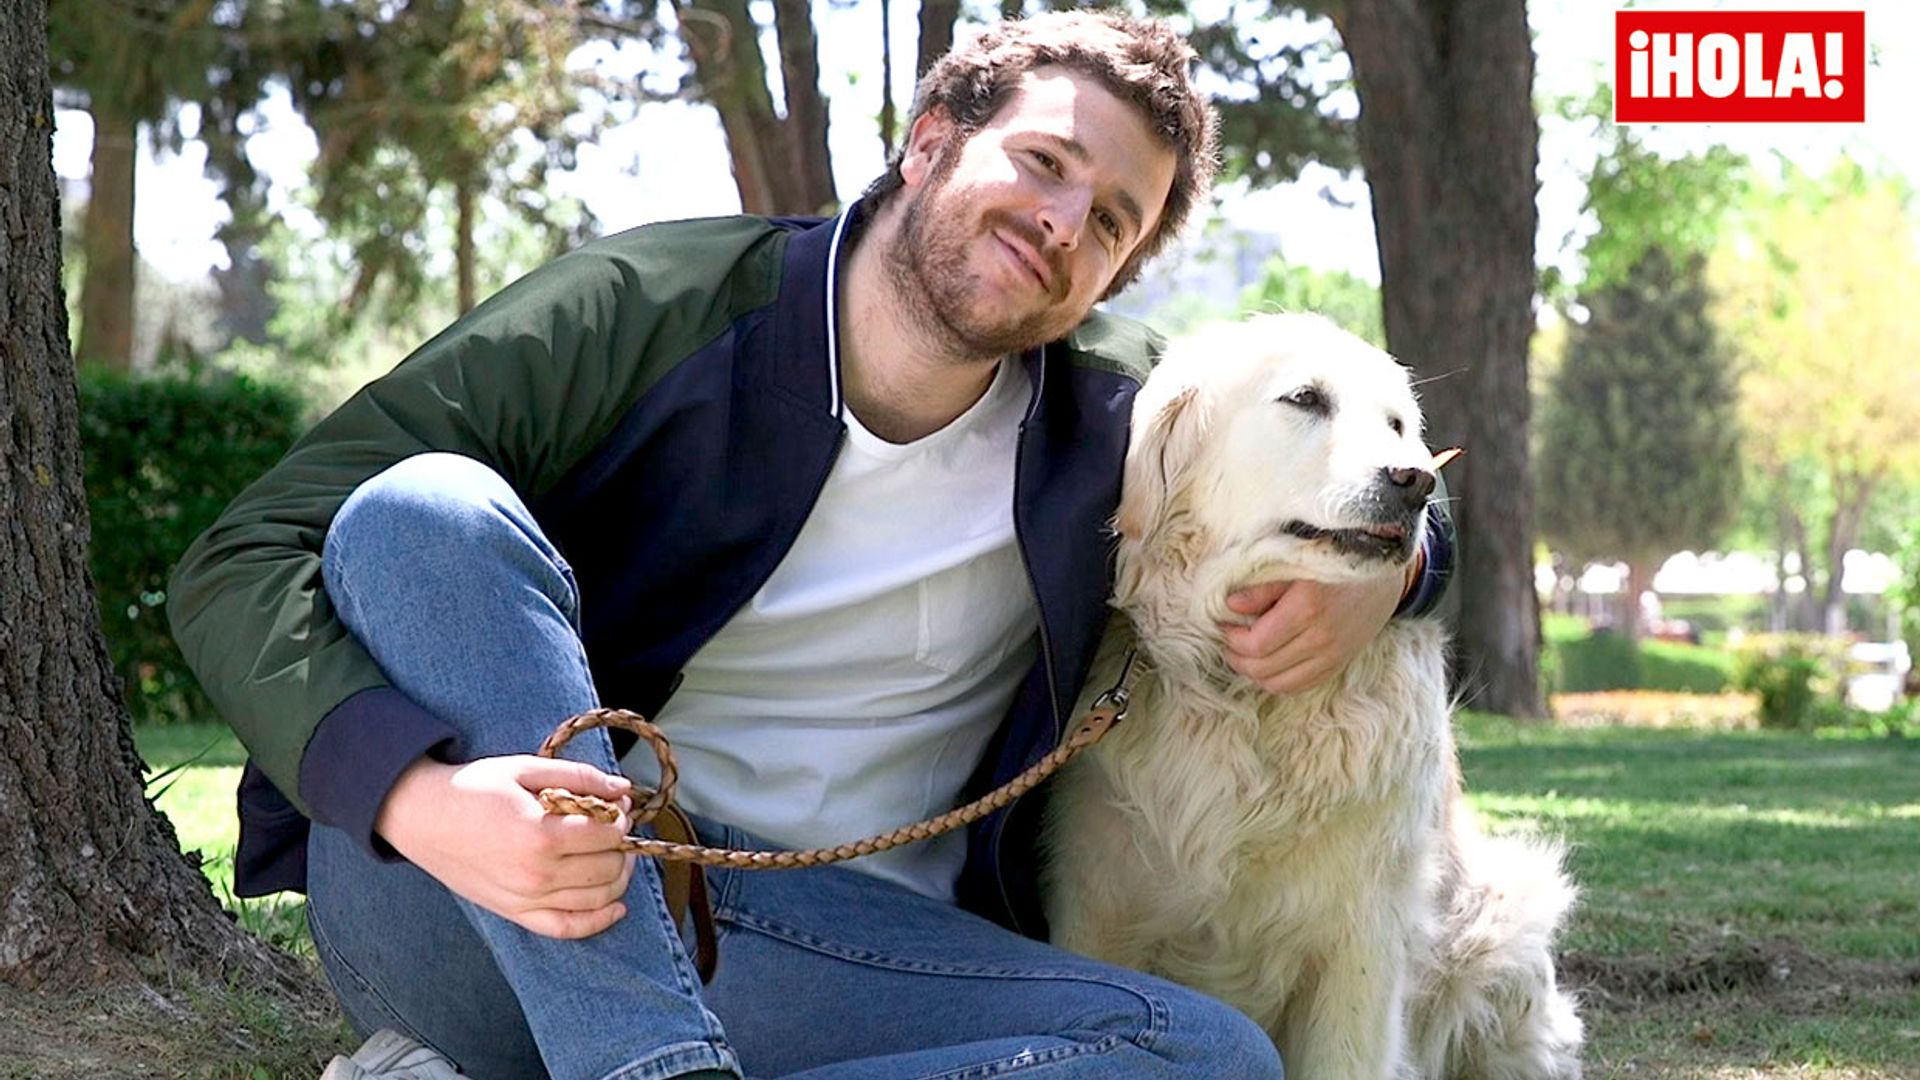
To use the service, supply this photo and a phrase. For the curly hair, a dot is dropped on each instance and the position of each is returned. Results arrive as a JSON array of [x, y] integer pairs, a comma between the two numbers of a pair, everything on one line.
[[1143, 62]]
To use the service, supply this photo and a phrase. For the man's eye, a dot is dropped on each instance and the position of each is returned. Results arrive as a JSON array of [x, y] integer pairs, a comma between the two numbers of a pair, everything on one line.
[[1047, 161], [1111, 224]]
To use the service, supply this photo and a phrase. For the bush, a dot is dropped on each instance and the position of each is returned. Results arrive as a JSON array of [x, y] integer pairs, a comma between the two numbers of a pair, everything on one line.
[[164, 455], [1796, 675], [1577, 661]]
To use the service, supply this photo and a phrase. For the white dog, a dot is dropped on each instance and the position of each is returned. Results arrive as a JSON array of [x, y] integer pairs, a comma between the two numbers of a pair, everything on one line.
[[1306, 858]]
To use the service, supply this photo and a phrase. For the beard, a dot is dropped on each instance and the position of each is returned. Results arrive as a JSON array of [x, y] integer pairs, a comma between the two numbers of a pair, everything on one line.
[[943, 295]]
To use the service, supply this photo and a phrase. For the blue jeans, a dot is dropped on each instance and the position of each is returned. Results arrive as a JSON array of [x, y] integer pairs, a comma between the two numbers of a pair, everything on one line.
[[439, 570]]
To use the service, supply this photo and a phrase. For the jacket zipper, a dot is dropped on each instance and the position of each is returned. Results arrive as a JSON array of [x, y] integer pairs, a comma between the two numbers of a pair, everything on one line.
[[1046, 660]]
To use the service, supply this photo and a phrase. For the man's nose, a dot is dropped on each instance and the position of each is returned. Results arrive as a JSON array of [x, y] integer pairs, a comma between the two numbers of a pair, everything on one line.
[[1064, 215]]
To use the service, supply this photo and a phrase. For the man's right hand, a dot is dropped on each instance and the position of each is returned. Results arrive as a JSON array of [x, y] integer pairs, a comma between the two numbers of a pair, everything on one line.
[[478, 829]]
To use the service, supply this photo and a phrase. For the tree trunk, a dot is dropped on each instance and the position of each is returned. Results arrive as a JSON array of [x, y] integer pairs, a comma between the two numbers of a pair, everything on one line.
[[804, 129], [106, 293], [463, 243], [94, 883], [936, 31], [887, 119], [1449, 142], [1851, 496], [780, 166], [1639, 580]]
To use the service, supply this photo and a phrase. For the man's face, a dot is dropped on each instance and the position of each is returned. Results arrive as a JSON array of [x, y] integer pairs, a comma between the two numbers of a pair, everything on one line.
[[1009, 237]]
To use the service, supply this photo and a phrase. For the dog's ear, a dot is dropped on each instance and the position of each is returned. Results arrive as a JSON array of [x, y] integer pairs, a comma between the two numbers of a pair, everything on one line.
[[1167, 437]]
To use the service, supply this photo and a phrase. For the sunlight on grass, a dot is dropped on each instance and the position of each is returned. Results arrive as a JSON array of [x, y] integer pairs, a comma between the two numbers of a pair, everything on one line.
[[193, 770]]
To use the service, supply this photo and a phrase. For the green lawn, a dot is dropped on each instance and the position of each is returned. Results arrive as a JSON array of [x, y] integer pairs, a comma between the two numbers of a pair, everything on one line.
[[1750, 900]]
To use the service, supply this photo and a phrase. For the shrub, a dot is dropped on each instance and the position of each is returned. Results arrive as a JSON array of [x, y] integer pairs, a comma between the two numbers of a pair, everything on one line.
[[1796, 676], [164, 455], [1604, 660]]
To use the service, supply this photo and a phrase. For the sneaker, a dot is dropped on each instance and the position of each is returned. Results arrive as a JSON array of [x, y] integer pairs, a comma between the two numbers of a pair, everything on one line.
[[389, 1055]]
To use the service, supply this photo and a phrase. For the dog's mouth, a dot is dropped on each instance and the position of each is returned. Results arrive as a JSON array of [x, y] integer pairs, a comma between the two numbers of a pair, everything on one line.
[[1389, 541]]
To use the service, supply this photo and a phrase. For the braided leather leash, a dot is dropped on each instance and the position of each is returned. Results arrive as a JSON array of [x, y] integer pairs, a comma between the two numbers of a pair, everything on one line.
[[1109, 709]]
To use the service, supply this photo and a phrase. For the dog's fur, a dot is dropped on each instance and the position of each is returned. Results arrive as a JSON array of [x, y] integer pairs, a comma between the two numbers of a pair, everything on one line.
[[1306, 858]]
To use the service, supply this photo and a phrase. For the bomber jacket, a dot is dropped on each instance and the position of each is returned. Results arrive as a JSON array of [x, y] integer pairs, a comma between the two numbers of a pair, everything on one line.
[[667, 401]]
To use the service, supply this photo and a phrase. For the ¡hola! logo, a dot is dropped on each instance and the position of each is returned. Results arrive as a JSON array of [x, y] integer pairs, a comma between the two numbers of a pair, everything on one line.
[[1774, 66]]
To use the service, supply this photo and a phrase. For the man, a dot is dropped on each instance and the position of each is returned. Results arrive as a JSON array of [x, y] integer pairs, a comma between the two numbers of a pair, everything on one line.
[[828, 500]]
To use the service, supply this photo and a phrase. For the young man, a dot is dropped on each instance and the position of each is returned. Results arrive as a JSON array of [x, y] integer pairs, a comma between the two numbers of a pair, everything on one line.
[[830, 501]]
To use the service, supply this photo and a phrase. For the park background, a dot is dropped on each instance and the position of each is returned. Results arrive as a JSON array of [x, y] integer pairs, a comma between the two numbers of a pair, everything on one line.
[[1692, 570]]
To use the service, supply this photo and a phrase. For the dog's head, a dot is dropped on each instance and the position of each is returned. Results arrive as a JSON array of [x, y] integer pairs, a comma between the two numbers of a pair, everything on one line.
[[1276, 447]]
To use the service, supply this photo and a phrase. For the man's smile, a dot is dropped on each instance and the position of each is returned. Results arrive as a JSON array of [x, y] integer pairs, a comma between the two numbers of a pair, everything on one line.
[[1027, 259]]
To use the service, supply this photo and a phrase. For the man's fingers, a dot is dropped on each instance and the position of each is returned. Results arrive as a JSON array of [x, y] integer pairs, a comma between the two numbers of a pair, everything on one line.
[[577, 835], [571, 925], [1256, 599], [577, 777]]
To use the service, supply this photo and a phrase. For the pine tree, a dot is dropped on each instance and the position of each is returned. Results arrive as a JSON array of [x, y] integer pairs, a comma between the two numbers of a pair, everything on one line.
[[1639, 439]]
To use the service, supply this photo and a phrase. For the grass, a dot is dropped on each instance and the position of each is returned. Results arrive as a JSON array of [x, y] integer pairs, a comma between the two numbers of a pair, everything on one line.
[[194, 769], [1751, 900]]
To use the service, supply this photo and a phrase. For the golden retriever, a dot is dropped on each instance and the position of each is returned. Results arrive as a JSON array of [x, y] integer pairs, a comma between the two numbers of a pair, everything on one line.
[[1305, 857]]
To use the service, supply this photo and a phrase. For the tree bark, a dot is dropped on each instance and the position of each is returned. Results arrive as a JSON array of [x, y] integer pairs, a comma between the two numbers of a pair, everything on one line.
[[937, 18], [887, 120], [1449, 141], [780, 166], [1639, 580], [106, 292], [94, 885], [1851, 497], [463, 254], [803, 131]]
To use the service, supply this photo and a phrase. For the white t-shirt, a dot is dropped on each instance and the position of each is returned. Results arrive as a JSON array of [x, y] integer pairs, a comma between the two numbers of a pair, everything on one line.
[[858, 689]]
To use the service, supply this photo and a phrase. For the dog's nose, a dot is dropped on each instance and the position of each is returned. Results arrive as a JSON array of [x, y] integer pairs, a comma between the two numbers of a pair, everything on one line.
[[1410, 484]]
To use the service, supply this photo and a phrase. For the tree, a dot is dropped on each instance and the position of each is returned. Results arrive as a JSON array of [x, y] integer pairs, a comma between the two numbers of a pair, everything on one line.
[[128, 63], [1449, 143], [95, 883], [1817, 291], [1349, 301], [425, 101], [1639, 447], [780, 163]]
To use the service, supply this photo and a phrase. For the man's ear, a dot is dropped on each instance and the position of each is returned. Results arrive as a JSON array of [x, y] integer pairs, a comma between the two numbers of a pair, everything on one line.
[[927, 139], [1167, 437]]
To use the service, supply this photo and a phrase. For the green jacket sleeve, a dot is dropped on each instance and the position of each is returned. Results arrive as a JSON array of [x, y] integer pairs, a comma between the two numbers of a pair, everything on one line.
[[527, 383]]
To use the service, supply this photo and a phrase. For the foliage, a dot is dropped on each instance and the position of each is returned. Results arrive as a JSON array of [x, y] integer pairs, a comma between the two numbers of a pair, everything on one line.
[[164, 455], [1816, 290], [1639, 451], [1904, 594], [1641, 199], [1340, 296], [1798, 678], [1609, 661]]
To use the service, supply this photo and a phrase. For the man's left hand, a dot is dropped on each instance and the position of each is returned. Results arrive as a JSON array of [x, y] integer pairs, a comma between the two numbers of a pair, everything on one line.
[[1305, 631]]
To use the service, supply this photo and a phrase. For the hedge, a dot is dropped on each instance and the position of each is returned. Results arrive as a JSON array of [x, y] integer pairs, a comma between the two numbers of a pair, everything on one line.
[[164, 455]]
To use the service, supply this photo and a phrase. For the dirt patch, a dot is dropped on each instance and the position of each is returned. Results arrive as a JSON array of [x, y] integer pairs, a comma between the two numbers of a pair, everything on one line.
[[1777, 968], [157, 1029]]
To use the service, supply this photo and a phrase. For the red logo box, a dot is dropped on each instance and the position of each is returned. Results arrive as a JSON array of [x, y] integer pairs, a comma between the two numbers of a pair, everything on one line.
[[1739, 66]]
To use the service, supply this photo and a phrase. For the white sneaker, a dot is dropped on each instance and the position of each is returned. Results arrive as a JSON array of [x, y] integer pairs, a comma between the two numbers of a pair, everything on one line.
[[389, 1055]]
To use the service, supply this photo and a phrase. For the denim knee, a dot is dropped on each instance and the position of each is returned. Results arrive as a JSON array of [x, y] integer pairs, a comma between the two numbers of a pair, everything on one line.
[[436, 520], [1210, 1039]]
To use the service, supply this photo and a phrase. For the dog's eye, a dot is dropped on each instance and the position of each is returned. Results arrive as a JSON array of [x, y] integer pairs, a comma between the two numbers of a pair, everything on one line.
[[1398, 427], [1309, 398]]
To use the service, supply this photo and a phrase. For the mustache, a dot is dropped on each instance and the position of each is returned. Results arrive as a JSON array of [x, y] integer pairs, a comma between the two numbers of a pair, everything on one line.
[[1057, 282]]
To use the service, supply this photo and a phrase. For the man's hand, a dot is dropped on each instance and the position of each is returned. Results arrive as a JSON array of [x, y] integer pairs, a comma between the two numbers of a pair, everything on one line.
[[478, 829], [1305, 631]]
